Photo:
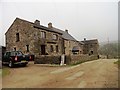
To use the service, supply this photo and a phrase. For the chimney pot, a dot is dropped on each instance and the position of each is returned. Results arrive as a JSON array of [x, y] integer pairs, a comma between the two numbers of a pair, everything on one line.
[[50, 25], [37, 22], [66, 30], [84, 39]]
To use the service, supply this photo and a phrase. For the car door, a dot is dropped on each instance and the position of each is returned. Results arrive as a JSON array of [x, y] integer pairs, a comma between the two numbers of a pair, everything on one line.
[[6, 57]]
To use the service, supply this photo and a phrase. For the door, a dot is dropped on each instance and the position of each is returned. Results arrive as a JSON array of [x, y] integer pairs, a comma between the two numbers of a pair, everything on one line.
[[42, 49]]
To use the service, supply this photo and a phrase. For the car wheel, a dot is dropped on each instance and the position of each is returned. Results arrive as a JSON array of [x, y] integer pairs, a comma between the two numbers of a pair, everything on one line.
[[10, 64]]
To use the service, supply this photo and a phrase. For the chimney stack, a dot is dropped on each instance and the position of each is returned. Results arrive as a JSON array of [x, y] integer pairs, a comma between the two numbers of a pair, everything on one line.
[[66, 30], [37, 22], [84, 39], [50, 25]]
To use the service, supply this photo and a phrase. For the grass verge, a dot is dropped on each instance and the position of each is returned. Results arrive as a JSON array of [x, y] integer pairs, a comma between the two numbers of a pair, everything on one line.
[[117, 62], [0, 72], [5, 72]]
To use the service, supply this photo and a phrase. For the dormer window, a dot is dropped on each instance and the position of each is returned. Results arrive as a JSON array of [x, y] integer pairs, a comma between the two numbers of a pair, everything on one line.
[[17, 37]]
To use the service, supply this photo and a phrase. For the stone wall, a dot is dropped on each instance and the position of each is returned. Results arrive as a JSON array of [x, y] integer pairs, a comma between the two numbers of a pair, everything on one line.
[[48, 59], [69, 59], [81, 58], [29, 35], [26, 34], [69, 44]]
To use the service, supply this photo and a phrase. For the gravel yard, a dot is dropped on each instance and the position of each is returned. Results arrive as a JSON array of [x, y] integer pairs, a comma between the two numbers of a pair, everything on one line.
[[102, 73]]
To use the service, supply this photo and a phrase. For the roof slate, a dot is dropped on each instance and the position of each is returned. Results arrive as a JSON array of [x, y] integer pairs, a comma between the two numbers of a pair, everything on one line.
[[65, 35]]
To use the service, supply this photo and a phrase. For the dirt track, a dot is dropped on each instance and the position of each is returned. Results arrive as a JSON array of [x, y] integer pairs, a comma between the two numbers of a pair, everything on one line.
[[93, 74]]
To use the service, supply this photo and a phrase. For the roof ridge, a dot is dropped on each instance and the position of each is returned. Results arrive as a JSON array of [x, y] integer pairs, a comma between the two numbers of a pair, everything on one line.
[[23, 20]]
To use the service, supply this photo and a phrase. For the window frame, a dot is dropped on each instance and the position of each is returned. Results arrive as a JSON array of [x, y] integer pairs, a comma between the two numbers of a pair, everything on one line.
[[51, 48], [17, 37], [57, 49], [43, 34], [55, 37]]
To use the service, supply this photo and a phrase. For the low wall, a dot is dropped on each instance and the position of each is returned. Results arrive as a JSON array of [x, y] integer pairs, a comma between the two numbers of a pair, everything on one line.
[[47, 59], [71, 59], [82, 58]]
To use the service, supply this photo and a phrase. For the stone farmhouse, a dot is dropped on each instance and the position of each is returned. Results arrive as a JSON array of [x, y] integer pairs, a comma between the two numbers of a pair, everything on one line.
[[34, 38]]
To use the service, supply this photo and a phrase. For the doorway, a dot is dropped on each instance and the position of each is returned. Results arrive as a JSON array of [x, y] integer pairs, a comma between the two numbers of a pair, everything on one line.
[[42, 49], [91, 52]]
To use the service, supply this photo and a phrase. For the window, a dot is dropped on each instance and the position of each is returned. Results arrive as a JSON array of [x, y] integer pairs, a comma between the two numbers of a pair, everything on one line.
[[12, 53], [57, 48], [43, 50], [51, 48], [55, 37], [43, 34], [91, 45], [19, 53], [91, 52], [27, 46], [15, 49], [80, 52], [7, 53], [17, 37]]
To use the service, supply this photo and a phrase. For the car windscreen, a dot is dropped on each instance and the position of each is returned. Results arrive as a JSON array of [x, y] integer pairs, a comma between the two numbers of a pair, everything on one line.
[[19, 53], [16, 53]]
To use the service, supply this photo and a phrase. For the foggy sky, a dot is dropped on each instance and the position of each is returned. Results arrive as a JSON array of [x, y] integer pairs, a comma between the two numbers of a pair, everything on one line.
[[82, 19]]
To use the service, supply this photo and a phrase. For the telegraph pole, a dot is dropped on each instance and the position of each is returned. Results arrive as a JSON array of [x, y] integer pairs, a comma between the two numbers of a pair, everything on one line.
[[108, 48]]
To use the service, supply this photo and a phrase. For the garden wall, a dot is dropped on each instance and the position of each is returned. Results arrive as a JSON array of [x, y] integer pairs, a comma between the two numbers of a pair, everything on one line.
[[74, 59], [48, 59], [71, 59]]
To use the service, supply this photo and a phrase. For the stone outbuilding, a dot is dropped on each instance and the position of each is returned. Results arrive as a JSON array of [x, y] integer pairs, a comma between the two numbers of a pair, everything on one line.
[[90, 46]]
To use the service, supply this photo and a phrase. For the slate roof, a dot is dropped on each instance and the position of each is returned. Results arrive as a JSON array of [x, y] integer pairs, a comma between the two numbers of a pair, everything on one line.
[[75, 48], [46, 28], [65, 35], [81, 42]]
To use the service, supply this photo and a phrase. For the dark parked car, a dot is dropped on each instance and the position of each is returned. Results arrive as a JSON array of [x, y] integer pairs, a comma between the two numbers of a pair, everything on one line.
[[15, 57]]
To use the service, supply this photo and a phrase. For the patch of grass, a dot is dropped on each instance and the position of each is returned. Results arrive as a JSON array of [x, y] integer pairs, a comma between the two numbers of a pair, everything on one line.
[[0, 72], [5, 72], [76, 63], [117, 62]]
